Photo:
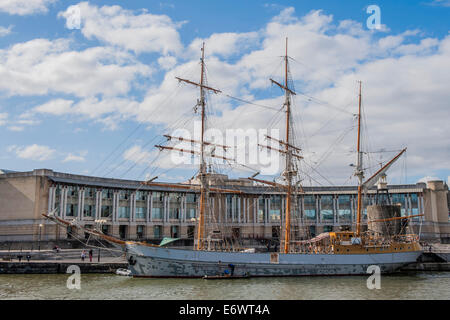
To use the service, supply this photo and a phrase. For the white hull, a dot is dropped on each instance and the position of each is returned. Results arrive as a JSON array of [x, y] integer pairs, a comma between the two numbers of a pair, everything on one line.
[[165, 262]]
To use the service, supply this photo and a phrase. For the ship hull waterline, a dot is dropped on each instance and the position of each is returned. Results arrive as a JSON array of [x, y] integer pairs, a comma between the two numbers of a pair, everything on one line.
[[159, 262]]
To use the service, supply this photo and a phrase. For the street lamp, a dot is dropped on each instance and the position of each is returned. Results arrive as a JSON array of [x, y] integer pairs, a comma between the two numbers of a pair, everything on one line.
[[40, 228]]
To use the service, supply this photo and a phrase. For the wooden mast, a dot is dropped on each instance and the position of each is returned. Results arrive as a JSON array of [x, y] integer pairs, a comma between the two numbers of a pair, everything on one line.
[[202, 173], [359, 170], [288, 151], [288, 173], [200, 238]]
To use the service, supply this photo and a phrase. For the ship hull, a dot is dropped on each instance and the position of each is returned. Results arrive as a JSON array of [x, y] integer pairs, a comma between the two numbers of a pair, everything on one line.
[[147, 261]]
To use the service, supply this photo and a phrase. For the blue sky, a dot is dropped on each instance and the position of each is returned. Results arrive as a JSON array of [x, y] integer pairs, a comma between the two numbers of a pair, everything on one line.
[[91, 100]]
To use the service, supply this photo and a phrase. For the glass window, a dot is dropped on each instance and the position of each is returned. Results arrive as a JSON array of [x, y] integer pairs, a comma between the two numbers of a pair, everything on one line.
[[89, 210], [72, 191], [140, 231], [156, 213], [229, 206], [326, 208], [141, 212], [191, 213], [296, 207], [190, 232], [174, 231], [157, 197], [124, 195], [141, 196], [105, 229], [414, 203], [72, 210], [106, 211], [124, 212], [191, 198], [174, 213], [275, 208], [174, 205], [366, 201], [261, 209], [310, 207], [399, 199], [89, 193], [191, 206], [157, 232], [344, 205], [58, 191], [107, 194]]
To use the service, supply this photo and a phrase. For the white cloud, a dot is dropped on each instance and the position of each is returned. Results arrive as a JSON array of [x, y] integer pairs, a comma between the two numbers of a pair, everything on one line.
[[428, 178], [167, 62], [224, 44], [405, 91], [3, 118], [25, 7], [114, 25], [400, 82], [16, 124], [5, 31], [440, 3], [41, 66], [33, 152], [16, 128], [81, 157], [55, 107], [137, 155]]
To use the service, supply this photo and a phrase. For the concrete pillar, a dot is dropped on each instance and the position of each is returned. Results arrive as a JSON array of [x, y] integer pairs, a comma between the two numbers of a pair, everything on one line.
[[80, 204], [133, 207], [226, 210], [53, 198], [115, 207], [148, 217], [409, 211], [98, 204], [239, 209], [64, 202], [50, 199], [318, 217], [165, 209], [183, 208], [352, 208], [219, 204], [335, 212]]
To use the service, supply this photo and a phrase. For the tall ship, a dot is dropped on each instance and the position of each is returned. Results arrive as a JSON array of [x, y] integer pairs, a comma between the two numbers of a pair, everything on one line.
[[386, 243]]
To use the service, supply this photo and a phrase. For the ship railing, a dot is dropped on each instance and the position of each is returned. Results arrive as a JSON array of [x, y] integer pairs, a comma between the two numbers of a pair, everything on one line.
[[311, 248], [407, 238]]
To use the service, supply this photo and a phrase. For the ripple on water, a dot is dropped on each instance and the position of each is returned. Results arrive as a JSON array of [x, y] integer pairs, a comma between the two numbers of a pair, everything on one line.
[[431, 285]]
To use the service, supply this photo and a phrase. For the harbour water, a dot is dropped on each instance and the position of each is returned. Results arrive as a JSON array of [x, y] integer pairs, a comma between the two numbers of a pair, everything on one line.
[[425, 285]]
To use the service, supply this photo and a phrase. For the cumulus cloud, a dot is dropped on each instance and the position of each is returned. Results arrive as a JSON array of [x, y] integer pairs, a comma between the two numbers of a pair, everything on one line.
[[55, 107], [114, 25], [137, 154], [439, 3], [33, 152], [25, 7], [224, 44], [3, 118], [405, 91], [81, 157], [428, 178], [5, 31], [329, 58], [41, 66]]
